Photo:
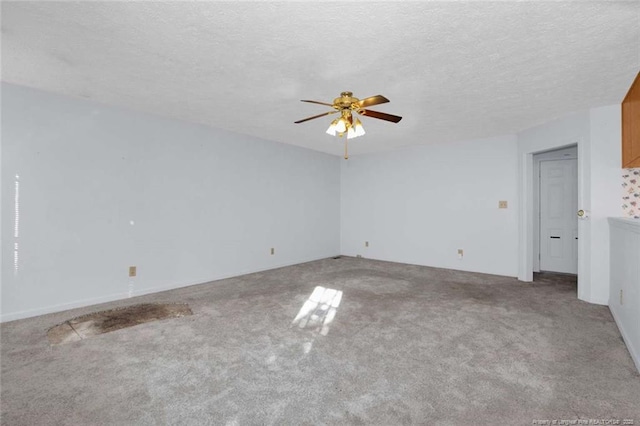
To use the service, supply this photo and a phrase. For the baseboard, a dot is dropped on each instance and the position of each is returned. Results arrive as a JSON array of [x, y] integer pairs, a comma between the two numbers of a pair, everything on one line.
[[61, 307], [635, 356], [141, 292], [603, 302], [461, 269]]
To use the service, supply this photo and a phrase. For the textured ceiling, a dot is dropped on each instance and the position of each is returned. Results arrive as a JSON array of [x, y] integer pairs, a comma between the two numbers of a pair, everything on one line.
[[452, 70]]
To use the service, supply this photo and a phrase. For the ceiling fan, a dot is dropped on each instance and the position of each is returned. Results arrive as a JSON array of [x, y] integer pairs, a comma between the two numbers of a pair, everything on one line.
[[346, 105]]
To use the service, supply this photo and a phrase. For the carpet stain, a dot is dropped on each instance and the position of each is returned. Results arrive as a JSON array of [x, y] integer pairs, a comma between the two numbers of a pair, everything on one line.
[[102, 322]]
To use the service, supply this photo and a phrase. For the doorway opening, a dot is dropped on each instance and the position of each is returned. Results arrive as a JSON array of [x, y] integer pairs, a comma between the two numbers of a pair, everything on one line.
[[555, 203]]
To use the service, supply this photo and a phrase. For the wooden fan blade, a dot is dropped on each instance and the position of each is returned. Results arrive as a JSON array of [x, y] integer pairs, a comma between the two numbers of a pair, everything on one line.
[[373, 100], [380, 115], [315, 116], [316, 102]]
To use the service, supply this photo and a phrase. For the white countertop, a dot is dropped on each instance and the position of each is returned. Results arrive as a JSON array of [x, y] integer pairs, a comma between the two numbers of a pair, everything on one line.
[[626, 223]]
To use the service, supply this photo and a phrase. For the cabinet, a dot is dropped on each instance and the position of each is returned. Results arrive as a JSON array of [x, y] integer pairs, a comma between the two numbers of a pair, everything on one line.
[[631, 126]]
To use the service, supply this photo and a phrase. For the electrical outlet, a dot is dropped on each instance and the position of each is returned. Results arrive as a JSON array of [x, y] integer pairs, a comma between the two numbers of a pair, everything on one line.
[[132, 271], [366, 243], [621, 299], [273, 250], [460, 253], [502, 204]]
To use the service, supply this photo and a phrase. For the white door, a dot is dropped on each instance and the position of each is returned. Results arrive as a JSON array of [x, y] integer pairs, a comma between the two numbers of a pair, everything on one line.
[[558, 219]]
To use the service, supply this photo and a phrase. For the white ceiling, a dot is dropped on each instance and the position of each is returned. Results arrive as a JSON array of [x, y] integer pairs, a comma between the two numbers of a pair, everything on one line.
[[452, 70]]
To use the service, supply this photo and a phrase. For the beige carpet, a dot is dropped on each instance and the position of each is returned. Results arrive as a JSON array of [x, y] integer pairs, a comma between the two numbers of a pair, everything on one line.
[[348, 341]]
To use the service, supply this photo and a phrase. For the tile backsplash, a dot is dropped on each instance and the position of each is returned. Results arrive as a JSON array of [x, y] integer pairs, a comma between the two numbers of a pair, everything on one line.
[[631, 192]]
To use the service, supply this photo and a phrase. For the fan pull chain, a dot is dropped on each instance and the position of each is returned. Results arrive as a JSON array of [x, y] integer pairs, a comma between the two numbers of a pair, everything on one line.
[[346, 153]]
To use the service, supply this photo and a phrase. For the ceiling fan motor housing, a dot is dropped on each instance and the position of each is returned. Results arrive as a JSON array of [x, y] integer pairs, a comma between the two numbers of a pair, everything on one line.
[[345, 101]]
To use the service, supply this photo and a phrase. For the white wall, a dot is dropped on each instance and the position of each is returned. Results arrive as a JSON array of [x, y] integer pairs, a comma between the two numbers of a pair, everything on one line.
[[597, 134], [102, 188], [606, 192], [573, 129], [419, 205]]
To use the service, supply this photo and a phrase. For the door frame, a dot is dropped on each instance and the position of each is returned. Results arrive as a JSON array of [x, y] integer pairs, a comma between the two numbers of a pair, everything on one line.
[[568, 153], [526, 212]]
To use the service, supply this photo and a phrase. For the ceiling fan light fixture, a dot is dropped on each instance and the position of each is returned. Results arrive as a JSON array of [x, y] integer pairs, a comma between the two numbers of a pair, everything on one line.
[[341, 126], [359, 130], [332, 128], [351, 133]]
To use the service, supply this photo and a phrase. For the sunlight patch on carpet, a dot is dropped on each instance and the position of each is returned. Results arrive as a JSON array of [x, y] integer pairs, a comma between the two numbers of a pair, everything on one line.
[[319, 310]]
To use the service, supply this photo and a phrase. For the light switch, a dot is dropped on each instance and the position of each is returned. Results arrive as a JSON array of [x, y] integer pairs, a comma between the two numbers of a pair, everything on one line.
[[132, 271]]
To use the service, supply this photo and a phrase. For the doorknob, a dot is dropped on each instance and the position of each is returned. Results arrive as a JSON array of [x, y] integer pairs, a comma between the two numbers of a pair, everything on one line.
[[583, 214]]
